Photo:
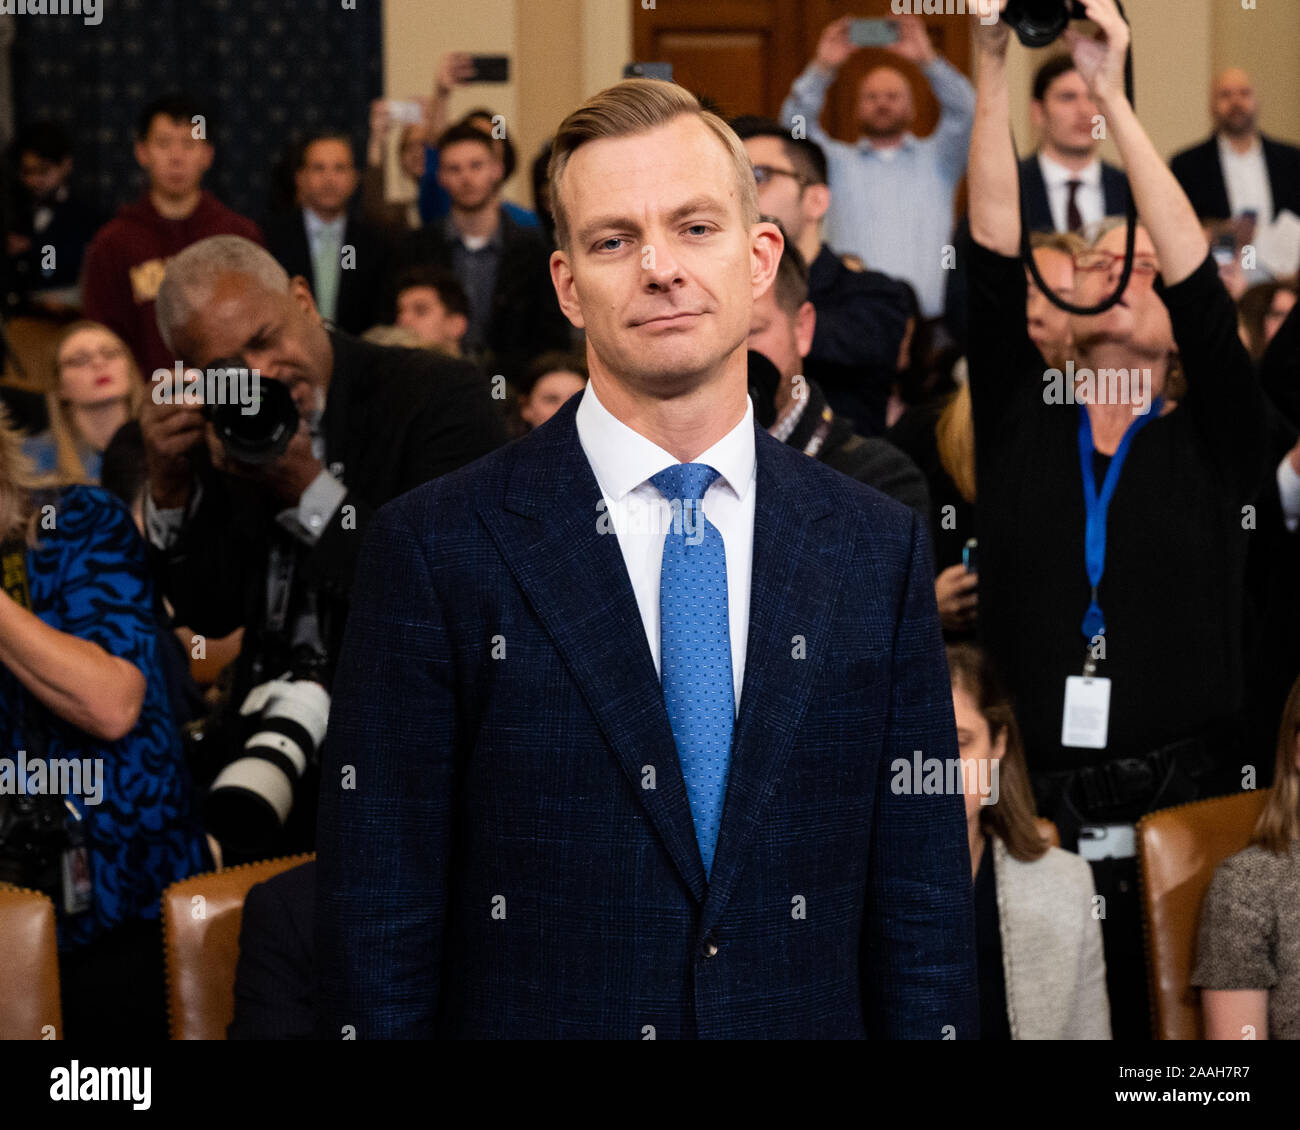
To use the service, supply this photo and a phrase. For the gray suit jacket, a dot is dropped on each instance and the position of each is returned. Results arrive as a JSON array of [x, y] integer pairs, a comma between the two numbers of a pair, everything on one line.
[[1051, 947]]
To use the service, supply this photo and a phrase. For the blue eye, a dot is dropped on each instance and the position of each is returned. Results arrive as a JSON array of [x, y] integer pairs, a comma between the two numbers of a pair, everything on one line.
[[603, 245], [702, 228]]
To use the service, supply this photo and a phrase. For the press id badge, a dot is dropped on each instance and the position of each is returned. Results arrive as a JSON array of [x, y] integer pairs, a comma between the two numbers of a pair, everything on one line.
[[78, 889], [1087, 712]]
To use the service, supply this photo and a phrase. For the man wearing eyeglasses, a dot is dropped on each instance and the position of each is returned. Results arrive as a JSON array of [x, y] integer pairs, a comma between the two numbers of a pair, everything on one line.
[[861, 314]]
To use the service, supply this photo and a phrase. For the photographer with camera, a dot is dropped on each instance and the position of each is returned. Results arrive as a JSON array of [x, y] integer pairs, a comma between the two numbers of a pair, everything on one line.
[[256, 517], [1113, 604], [95, 804]]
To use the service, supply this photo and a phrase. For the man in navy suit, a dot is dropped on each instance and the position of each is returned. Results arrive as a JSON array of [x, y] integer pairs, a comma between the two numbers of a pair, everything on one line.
[[544, 815]]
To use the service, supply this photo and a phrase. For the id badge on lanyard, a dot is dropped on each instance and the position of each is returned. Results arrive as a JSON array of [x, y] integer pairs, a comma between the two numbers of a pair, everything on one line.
[[1085, 721]]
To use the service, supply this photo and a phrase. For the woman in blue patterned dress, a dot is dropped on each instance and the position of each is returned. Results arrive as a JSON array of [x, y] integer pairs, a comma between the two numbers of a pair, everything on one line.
[[80, 676]]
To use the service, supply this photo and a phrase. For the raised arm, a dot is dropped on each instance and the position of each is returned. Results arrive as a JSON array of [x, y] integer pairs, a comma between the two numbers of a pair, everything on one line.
[[1162, 205], [994, 184], [808, 93]]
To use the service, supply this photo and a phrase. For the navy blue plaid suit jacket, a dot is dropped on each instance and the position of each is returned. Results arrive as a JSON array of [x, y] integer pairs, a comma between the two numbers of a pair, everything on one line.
[[513, 854]]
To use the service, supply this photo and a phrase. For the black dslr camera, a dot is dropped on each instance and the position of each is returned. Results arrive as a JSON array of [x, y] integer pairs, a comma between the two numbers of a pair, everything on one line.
[[1039, 23], [253, 431]]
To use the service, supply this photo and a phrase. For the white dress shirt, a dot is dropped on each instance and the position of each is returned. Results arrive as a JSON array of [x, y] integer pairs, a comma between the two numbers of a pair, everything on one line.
[[1245, 176], [1090, 197], [623, 462]]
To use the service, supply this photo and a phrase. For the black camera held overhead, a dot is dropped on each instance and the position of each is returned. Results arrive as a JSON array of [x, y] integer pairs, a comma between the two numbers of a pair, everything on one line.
[[1040, 23], [254, 433]]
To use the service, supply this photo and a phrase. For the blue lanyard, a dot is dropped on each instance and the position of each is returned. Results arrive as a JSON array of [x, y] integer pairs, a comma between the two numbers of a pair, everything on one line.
[[1097, 504]]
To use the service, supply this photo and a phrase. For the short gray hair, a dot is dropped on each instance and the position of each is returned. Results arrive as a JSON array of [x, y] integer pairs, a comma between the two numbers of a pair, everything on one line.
[[191, 275]]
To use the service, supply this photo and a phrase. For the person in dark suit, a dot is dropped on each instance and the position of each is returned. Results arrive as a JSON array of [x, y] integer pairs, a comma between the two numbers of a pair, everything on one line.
[[343, 259], [273, 982], [561, 826], [782, 325], [274, 547], [861, 314], [1068, 185], [502, 265], [1238, 169]]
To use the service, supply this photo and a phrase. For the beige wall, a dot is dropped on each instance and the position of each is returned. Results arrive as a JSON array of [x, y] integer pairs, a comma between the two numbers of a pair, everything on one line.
[[560, 52]]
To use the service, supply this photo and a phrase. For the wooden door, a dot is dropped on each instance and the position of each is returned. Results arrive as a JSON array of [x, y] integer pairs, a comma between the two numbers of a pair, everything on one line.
[[744, 54]]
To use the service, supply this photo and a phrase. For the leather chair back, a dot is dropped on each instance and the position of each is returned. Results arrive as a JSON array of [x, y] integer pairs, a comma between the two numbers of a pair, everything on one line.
[[201, 917], [1178, 850], [30, 1008]]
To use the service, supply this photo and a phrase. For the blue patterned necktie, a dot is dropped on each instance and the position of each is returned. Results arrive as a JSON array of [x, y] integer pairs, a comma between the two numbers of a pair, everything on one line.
[[695, 648]]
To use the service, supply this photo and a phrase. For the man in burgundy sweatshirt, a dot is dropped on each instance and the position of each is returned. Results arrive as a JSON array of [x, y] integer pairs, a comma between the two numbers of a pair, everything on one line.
[[126, 260]]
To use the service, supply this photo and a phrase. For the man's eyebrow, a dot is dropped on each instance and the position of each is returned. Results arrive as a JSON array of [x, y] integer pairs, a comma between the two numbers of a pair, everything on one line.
[[695, 205]]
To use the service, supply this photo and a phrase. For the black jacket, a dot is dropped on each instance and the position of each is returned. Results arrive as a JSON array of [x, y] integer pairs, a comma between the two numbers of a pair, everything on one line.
[[871, 460], [273, 988], [525, 320], [361, 285], [1200, 172], [1114, 190], [861, 317]]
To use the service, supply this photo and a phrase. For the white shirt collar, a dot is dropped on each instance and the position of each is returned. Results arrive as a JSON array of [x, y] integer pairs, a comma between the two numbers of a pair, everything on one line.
[[1227, 153], [622, 459], [1055, 175], [315, 225]]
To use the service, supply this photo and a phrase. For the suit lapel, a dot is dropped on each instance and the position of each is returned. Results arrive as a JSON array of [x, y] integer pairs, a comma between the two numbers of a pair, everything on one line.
[[548, 529], [799, 553]]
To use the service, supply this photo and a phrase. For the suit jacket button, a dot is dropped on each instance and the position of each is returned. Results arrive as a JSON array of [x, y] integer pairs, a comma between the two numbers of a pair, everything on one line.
[[710, 948]]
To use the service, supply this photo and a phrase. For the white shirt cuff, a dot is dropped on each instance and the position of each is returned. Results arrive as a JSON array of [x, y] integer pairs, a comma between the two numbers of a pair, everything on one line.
[[1288, 487]]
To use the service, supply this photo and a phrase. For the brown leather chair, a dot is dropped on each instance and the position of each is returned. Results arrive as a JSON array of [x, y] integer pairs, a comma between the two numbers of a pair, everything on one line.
[[201, 917], [1178, 850], [30, 1008]]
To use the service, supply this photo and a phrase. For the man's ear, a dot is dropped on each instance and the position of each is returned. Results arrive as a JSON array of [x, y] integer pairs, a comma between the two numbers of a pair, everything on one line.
[[300, 292], [566, 290], [458, 325], [140, 154], [1036, 113], [208, 154], [766, 243], [805, 328], [816, 202]]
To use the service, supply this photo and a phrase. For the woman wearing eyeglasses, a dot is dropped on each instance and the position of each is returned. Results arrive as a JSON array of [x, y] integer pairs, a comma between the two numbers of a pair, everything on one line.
[[1114, 510], [97, 388]]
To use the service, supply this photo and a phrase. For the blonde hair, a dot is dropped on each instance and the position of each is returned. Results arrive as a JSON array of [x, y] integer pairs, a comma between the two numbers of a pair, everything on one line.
[[955, 435], [635, 106], [1278, 826], [70, 445], [18, 481]]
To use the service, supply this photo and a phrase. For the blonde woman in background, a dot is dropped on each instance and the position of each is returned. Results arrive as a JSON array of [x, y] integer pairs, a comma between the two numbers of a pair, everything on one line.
[[97, 388]]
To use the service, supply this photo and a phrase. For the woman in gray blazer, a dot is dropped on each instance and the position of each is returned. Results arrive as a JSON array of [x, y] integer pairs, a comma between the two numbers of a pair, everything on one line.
[[1042, 975]]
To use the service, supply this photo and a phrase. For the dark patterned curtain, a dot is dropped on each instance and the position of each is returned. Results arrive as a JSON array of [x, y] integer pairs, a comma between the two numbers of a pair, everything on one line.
[[267, 72]]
